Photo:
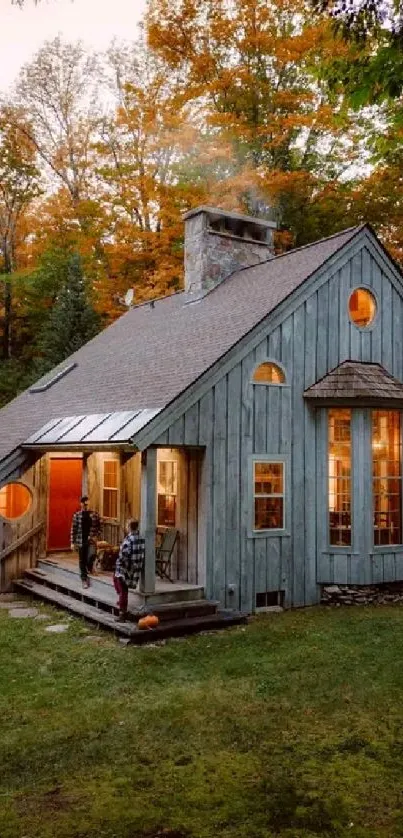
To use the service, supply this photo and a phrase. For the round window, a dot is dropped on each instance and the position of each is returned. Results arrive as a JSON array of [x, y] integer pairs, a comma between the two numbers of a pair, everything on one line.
[[362, 307], [15, 501]]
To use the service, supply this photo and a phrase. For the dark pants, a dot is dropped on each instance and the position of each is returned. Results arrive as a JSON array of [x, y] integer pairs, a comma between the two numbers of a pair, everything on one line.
[[86, 555], [122, 591]]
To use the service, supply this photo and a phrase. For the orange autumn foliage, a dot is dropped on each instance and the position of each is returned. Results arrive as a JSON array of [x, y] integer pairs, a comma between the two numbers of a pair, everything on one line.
[[257, 68]]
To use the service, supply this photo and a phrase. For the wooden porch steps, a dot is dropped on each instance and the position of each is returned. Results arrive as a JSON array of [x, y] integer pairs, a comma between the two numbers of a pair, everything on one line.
[[103, 596], [103, 619], [99, 607], [102, 585]]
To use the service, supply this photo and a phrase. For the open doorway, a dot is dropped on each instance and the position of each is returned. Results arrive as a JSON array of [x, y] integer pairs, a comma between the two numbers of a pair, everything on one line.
[[65, 489]]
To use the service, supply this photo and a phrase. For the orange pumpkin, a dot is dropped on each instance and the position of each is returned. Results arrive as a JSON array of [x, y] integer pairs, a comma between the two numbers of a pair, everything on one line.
[[151, 621]]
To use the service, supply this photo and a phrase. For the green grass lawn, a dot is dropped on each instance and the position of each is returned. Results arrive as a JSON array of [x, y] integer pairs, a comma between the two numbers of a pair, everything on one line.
[[292, 726]]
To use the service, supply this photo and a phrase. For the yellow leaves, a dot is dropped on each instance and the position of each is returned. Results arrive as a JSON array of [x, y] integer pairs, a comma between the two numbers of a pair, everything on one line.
[[226, 102]]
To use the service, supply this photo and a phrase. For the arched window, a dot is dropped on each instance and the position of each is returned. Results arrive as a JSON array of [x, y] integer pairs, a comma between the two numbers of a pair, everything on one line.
[[15, 501], [268, 373]]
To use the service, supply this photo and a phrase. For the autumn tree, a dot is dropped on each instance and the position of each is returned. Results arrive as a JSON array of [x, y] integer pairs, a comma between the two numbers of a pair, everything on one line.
[[19, 186], [58, 90], [257, 66], [58, 95], [141, 147]]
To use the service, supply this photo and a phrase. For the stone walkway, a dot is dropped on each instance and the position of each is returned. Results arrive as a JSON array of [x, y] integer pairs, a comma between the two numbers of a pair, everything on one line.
[[18, 610]]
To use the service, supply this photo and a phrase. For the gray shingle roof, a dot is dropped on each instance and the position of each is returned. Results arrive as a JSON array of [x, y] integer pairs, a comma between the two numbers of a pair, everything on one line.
[[354, 381], [151, 354]]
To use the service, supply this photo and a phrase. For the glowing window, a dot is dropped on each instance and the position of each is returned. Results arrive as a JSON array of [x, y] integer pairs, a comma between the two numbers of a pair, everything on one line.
[[362, 307], [111, 489], [15, 501], [387, 477], [269, 373], [339, 458], [167, 493], [268, 492]]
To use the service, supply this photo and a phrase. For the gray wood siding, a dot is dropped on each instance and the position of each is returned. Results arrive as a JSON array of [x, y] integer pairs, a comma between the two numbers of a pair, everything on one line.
[[26, 555], [381, 343], [236, 419]]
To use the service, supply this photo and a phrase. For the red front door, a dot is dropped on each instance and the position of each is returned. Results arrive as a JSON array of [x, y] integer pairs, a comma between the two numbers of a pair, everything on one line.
[[65, 481]]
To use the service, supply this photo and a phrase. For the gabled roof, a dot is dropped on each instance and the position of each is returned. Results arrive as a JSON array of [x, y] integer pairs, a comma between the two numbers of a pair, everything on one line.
[[154, 352], [357, 382]]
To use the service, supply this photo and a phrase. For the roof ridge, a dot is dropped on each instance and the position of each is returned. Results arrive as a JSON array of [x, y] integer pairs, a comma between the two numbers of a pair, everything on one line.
[[356, 227], [151, 300]]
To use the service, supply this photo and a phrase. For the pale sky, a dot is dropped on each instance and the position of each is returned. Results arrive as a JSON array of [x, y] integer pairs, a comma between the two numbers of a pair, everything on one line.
[[95, 22]]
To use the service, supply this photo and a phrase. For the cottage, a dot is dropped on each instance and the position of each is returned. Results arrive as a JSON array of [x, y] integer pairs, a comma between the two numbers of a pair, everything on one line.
[[258, 413]]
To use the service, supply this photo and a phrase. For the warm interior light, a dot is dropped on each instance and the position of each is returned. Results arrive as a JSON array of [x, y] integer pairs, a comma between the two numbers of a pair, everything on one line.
[[269, 373], [332, 476], [15, 501], [339, 476], [362, 307]]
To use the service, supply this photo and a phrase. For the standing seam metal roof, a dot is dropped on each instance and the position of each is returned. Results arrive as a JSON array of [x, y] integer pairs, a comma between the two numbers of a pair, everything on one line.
[[94, 428]]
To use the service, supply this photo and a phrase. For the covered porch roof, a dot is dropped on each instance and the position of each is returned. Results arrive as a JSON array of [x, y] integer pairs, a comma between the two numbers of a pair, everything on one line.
[[357, 383], [94, 430]]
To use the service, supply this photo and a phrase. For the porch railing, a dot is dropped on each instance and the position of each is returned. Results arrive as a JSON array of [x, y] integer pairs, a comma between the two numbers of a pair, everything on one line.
[[20, 555], [20, 541]]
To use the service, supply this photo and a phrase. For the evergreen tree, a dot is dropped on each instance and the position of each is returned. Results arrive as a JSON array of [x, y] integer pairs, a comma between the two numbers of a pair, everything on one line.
[[73, 320]]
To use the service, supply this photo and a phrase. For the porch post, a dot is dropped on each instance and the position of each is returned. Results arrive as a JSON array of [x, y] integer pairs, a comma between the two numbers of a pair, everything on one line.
[[148, 522], [84, 487]]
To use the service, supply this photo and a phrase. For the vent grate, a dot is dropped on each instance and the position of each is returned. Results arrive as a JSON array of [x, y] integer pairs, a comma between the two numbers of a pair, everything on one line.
[[269, 599]]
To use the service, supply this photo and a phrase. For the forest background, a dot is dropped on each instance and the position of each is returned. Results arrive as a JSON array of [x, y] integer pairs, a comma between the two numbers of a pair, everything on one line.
[[262, 106]]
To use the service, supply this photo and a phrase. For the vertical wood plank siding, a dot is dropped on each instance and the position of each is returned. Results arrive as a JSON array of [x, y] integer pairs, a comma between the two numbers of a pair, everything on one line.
[[25, 556], [382, 343], [237, 418]]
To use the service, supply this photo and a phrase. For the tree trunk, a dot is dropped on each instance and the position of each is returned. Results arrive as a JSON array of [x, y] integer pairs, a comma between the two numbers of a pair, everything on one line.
[[7, 301]]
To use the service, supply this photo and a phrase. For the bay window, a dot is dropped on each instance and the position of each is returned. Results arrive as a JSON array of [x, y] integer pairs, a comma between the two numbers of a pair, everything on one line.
[[387, 477], [367, 444], [340, 477]]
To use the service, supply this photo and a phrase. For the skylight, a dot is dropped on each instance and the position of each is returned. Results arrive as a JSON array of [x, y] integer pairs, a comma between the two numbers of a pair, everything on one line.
[[45, 385]]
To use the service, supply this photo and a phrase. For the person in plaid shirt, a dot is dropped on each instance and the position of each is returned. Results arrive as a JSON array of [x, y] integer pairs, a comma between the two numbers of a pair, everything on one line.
[[85, 530], [128, 566]]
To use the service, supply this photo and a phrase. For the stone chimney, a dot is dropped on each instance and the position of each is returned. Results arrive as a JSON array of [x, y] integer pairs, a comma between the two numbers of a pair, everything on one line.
[[218, 242]]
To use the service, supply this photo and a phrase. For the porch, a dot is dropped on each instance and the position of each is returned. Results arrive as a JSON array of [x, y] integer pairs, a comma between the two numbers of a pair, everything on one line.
[[180, 607], [64, 566], [159, 487]]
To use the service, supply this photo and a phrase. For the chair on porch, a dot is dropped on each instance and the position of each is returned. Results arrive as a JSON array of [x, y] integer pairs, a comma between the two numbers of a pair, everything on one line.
[[164, 553]]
